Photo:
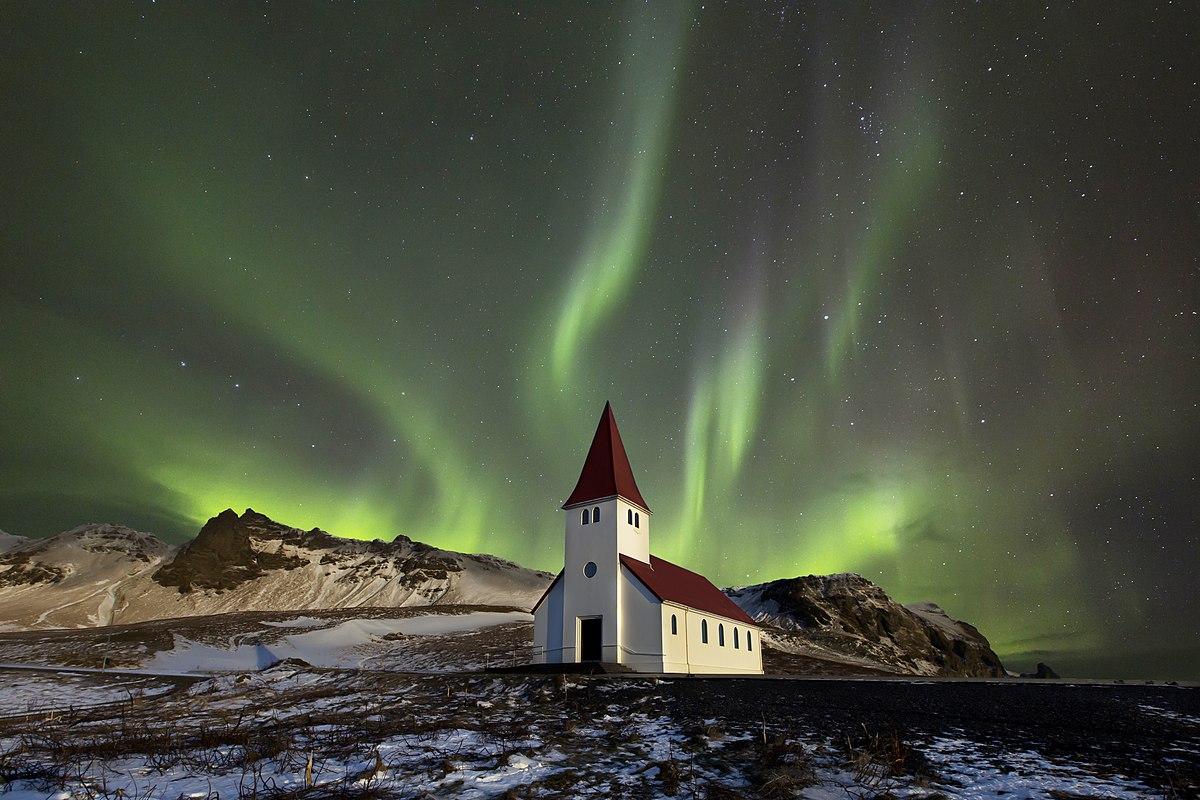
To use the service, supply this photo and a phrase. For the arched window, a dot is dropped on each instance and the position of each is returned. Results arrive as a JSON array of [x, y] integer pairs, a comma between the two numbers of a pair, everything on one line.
[[636, 520], [629, 516], [596, 514], [748, 645], [674, 626], [587, 516], [735, 639], [721, 635], [704, 631]]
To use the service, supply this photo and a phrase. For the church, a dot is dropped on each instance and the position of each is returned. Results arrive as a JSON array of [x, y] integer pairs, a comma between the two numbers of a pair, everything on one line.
[[614, 603]]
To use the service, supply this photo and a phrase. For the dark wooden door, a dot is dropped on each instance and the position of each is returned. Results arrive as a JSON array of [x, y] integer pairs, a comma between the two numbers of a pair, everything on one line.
[[589, 639]]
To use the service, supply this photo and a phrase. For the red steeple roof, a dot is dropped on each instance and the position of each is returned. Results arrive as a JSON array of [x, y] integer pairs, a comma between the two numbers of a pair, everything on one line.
[[606, 472]]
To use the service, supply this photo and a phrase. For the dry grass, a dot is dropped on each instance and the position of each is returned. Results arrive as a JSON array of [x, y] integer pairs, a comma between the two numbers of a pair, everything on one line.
[[293, 732]]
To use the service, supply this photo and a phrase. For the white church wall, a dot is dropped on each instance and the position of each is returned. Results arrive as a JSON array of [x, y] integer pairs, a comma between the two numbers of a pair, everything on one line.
[[641, 621], [594, 596], [633, 539], [548, 627]]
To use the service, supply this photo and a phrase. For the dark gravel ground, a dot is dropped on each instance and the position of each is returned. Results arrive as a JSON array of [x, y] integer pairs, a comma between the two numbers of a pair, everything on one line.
[[638, 737], [1148, 731]]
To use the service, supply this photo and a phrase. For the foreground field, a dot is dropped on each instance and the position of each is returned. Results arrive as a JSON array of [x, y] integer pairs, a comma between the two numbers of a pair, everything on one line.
[[297, 731], [419, 639]]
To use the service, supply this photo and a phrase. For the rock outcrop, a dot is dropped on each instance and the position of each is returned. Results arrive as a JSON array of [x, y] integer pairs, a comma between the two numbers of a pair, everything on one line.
[[846, 616], [221, 557]]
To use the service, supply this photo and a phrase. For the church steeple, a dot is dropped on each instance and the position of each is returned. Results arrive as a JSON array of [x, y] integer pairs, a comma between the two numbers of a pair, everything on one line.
[[606, 472]]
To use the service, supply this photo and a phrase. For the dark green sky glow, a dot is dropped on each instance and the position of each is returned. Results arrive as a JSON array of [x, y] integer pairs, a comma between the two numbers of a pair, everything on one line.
[[907, 293]]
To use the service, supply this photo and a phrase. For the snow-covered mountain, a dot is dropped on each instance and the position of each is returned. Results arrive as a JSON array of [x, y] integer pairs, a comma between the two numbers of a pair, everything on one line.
[[101, 574], [75, 578], [847, 618]]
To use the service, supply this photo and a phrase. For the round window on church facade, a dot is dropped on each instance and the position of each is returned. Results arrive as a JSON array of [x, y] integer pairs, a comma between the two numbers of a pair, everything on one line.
[[589, 569]]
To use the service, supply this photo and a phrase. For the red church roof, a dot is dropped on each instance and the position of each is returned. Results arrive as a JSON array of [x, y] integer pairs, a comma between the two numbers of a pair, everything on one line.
[[606, 472], [675, 584]]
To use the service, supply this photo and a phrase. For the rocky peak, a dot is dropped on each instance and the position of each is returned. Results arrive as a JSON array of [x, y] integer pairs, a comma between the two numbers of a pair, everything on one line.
[[222, 556], [848, 614]]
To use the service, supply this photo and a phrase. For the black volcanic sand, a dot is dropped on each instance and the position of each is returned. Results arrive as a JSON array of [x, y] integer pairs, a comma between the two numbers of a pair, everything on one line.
[[1150, 731], [730, 738]]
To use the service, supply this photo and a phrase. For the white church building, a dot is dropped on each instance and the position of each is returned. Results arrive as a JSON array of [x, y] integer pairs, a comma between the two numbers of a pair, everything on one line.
[[615, 603]]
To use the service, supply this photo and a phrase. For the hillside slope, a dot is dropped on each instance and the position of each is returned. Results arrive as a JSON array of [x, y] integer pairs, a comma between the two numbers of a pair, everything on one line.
[[101, 574], [847, 618]]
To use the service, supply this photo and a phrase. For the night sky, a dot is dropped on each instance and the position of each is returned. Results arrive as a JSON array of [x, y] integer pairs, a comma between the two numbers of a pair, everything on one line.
[[907, 292]]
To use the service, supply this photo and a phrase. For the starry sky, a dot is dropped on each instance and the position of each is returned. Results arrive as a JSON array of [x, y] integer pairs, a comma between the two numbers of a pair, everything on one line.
[[905, 291]]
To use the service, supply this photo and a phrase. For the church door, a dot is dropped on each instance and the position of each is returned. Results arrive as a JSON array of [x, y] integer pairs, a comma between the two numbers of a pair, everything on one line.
[[589, 639]]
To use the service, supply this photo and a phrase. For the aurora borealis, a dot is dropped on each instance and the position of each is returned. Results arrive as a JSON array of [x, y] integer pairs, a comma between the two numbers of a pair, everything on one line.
[[910, 292]]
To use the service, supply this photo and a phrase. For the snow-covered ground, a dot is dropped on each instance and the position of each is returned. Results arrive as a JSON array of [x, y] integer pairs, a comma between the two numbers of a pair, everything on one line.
[[276, 732], [354, 643], [40, 692], [419, 639]]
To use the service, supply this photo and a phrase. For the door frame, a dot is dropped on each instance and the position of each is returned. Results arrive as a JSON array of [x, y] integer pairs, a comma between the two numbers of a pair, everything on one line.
[[595, 623]]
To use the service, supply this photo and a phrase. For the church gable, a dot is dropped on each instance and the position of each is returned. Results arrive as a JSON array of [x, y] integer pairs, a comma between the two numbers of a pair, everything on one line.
[[545, 594]]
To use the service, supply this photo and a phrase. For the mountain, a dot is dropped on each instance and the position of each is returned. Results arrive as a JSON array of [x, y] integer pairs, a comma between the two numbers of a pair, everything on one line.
[[105, 574], [75, 578], [99, 575], [847, 618]]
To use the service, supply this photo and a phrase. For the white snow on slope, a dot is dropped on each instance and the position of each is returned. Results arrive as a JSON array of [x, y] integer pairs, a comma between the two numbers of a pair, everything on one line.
[[9, 541], [341, 646], [298, 622], [935, 616], [96, 565]]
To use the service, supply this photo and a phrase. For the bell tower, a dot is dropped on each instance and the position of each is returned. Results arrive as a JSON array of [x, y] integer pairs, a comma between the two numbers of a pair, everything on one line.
[[606, 518]]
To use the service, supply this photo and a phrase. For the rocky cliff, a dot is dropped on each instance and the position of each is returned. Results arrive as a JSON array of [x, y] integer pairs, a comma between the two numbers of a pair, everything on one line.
[[846, 617]]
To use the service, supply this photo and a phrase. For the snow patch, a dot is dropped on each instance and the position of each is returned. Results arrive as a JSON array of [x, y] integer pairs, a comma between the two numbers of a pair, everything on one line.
[[298, 622], [38, 692], [9, 542], [339, 646]]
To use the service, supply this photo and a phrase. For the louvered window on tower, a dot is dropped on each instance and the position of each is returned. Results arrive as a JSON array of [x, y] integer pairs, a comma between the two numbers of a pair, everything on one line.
[[637, 522], [596, 514], [587, 516]]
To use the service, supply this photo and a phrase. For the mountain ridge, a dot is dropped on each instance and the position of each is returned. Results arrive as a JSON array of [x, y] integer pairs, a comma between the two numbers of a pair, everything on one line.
[[99, 574], [104, 574]]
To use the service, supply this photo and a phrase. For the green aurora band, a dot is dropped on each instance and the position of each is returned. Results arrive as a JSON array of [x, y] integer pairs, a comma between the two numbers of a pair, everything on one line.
[[379, 273]]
